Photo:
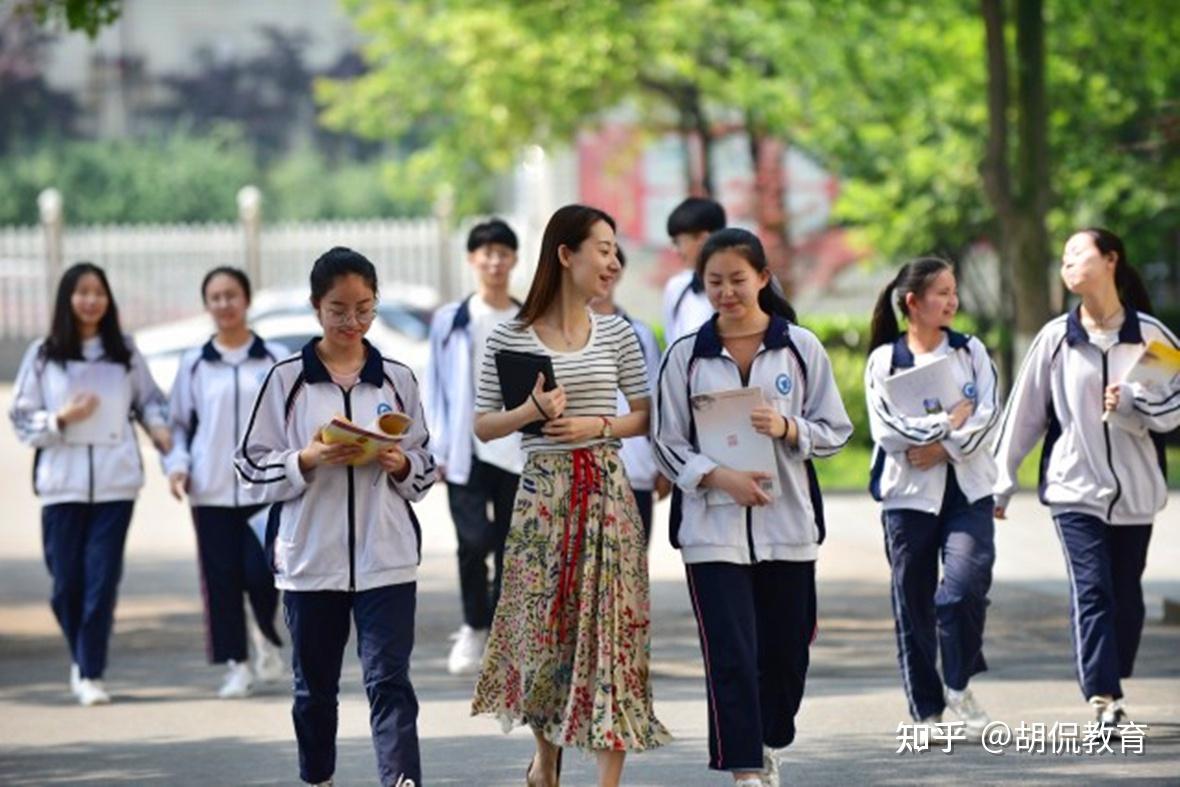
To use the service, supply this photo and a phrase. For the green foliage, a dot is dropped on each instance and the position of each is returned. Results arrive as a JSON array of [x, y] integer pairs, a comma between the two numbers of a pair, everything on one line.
[[848, 367], [178, 178], [184, 177], [901, 111], [89, 16], [304, 186], [889, 94]]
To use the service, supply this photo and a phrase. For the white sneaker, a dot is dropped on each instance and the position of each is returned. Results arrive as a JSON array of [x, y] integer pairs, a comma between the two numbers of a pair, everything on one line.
[[749, 781], [269, 666], [328, 783], [769, 773], [239, 682], [92, 692], [467, 652], [75, 679], [963, 704], [1110, 714]]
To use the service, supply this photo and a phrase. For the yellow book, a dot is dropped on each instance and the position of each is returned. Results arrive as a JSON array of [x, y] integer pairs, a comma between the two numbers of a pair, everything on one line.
[[386, 431], [1156, 368]]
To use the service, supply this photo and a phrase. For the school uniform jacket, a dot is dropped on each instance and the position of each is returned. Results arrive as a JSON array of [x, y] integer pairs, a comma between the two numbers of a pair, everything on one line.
[[795, 376], [1113, 470], [893, 480], [209, 406], [450, 390], [637, 454], [70, 473], [686, 307], [339, 527]]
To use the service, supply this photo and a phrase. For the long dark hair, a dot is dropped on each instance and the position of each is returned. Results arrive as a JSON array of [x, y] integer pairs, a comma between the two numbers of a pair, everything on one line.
[[568, 227], [1132, 291], [747, 246], [64, 342], [915, 276]]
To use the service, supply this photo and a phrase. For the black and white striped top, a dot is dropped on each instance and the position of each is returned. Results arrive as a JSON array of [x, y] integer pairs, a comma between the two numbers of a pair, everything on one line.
[[611, 361]]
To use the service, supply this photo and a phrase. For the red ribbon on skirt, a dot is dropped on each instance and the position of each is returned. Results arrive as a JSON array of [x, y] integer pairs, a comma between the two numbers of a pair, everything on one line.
[[586, 477]]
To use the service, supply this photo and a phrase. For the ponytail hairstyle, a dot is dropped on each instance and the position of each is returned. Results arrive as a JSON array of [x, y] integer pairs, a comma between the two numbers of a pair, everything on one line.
[[570, 227], [915, 276], [64, 342], [1132, 292], [746, 245]]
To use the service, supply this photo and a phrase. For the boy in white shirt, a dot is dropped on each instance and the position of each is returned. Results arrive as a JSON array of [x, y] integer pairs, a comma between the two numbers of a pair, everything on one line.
[[477, 473], [685, 304]]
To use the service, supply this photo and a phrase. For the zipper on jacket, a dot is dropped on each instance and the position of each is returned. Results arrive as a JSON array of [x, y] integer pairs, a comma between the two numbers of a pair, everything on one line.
[[90, 463], [351, 502], [237, 427], [750, 534], [1118, 487]]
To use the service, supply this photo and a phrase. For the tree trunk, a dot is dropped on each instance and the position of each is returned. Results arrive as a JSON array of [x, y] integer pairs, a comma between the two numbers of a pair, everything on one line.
[[1032, 272], [1021, 208], [767, 151]]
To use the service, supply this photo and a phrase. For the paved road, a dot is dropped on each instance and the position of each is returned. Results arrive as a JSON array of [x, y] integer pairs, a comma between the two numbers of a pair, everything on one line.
[[165, 726]]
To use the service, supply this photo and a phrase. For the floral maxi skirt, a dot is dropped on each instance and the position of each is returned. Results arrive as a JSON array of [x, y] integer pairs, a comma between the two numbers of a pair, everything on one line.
[[570, 644]]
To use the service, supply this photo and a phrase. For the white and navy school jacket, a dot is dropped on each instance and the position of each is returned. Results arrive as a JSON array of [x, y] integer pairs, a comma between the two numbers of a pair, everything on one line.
[[637, 453], [339, 527], [686, 307], [209, 406], [894, 481], [1113, 470], [71, 473], [450, 390], [795, 376]]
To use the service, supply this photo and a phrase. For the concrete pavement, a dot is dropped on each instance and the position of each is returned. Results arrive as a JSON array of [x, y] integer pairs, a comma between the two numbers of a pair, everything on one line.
[[166, 726]]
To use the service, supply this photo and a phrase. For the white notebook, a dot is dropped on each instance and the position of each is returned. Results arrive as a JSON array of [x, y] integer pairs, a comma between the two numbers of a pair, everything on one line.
[[928, 389], [726, 436], [108, 381]]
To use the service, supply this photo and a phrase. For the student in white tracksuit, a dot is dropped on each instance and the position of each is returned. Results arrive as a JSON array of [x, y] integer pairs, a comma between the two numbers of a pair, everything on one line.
[[933, 475], [685, 304], [478, 475], [210, 402], [87, 482], [1102, 464], [343, 539], [750, 559], [637, 454]]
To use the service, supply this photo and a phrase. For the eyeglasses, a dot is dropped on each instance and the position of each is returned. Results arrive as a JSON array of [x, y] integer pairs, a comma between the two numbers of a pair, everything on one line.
[[339, 319]]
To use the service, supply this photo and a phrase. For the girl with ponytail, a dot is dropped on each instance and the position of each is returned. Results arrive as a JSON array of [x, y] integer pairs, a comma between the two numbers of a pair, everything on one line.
[[1102, 464], [933, 476], [750, 552]]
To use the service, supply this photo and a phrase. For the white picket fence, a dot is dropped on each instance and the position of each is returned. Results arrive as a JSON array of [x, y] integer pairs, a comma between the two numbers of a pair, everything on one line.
[[155, 270]]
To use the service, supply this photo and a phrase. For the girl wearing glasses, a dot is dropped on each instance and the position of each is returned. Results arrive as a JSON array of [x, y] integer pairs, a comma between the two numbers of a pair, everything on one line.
[[342, 537], [210, 403]]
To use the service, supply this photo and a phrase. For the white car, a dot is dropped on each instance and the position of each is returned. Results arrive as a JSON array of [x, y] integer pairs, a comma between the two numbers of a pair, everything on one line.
[[400, 332]]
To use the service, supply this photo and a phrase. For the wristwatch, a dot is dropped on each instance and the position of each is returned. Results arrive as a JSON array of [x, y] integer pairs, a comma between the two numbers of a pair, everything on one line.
[[606, 430]]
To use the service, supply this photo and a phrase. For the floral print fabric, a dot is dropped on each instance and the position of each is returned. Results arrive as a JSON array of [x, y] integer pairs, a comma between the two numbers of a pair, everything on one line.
[[572, 662]]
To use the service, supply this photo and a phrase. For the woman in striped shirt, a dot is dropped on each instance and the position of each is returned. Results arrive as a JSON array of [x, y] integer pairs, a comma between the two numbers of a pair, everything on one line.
[[569, 646]]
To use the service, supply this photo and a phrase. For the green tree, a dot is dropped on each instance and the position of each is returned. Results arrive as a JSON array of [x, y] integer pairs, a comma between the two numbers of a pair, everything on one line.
[[477, 82], [891, 95], [89, 16]]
